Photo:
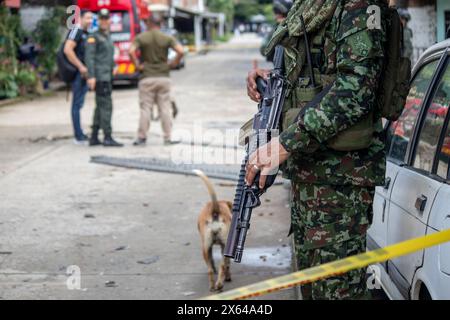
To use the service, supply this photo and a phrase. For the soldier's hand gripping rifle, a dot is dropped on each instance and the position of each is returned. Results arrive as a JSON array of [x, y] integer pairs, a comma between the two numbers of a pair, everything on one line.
[[266, 121]]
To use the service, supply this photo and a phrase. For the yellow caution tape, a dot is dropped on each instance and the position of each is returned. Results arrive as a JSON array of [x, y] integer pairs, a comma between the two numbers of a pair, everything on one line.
[[334, 268]]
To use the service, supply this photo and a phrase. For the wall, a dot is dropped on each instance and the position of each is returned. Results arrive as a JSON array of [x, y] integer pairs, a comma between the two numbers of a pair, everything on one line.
[[194, 5], [30, 15], [423, 25], [427, 22]]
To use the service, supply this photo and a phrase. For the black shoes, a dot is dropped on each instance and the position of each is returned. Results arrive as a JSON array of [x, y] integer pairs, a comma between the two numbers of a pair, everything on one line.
[[94, 142], [110, 142], [140, 142], [107, 142]]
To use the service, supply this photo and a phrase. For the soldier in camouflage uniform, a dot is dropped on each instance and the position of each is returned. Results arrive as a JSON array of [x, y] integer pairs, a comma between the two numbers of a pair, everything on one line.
[[408, 48], [280, 10], [332, 183]]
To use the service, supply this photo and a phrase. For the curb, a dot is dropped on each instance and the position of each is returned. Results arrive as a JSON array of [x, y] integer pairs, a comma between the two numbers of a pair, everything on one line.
[[31, 97]]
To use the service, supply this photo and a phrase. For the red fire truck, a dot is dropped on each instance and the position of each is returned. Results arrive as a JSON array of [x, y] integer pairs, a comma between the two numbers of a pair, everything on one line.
[[126, 16]]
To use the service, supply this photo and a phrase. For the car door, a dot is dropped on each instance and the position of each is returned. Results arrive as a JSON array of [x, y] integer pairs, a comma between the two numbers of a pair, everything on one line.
[[435, 274], [399, 135], [416, 185]]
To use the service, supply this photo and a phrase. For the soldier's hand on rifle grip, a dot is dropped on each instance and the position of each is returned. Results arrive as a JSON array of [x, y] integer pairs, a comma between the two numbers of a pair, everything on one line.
[[265, 160], [252, 90]]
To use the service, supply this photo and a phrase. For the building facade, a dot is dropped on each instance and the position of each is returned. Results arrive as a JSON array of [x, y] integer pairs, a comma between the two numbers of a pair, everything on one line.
[[191, 16], [430, 20]]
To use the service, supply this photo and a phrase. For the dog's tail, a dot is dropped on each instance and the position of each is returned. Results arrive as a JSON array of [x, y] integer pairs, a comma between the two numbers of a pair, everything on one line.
[[210, 188]]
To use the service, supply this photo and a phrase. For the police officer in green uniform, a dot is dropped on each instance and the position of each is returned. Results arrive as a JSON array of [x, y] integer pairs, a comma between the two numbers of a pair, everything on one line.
[[100, 63]]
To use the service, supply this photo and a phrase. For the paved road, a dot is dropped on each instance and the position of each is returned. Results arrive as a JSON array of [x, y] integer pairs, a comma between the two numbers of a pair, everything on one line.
[[57, 209]]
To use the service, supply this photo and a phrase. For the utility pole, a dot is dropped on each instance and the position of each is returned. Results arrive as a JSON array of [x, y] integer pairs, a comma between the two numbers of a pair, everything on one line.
[[170, 20]]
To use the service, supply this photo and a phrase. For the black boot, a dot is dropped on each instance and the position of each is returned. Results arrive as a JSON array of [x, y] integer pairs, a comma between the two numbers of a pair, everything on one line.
[[110, 142], [93, 141]]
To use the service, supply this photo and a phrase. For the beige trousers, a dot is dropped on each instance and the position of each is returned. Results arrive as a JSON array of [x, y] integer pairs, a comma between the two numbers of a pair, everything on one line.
[[151, 91]]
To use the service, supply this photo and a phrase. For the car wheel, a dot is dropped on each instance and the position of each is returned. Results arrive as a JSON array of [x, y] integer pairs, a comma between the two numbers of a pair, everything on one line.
[[424, 294]]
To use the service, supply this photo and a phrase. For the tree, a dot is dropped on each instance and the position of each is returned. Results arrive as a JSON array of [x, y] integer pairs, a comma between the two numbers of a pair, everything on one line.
[[245, 9], [224, 6], [48, 35]]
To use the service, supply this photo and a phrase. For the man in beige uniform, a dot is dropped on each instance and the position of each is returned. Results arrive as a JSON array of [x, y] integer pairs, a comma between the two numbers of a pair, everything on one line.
[[154, 84]]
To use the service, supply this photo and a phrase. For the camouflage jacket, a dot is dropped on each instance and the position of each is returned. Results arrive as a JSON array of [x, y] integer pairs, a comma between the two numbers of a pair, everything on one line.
[[353, 57]]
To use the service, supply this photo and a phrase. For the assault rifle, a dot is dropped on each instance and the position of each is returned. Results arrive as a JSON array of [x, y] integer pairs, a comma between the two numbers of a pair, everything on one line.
[[265, 122]]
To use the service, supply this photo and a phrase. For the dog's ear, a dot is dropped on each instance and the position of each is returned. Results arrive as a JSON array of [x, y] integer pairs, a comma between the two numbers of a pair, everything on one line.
[[229, 204]]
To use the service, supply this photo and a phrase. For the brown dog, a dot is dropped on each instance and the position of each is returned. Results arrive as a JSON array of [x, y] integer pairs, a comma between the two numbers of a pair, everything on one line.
[[213, 224]]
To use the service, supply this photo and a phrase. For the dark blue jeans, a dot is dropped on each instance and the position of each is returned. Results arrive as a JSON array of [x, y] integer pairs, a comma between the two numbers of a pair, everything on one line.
[[79, 90]]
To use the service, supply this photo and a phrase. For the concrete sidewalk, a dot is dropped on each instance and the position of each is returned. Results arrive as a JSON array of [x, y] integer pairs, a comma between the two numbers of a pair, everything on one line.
[[132, 233]]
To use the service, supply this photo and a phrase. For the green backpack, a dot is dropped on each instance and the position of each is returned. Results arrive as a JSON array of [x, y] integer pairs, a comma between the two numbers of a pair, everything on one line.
[[391, 94]]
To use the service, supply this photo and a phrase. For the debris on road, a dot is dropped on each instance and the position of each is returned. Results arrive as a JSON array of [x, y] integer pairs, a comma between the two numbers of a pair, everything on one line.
[[81, 244], [110, 284], [149, 260]]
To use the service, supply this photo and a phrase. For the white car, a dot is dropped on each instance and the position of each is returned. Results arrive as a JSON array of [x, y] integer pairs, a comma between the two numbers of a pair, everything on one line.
[[415, 200]]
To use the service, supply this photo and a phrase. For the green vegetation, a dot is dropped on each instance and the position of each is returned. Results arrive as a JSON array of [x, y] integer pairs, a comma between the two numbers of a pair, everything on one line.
[[242, 10], [48, 36], [224, 38], [224, 6], [22, 78], [245, 9], [11, 36]]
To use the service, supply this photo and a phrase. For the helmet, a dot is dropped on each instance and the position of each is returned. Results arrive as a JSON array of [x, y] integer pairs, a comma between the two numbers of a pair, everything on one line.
[[404, 13], [282, 6]]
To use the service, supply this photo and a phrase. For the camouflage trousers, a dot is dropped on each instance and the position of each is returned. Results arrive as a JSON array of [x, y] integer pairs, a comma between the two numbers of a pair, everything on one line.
[[330, 223]]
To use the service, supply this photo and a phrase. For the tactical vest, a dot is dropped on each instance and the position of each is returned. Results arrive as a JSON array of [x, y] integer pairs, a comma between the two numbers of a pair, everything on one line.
[[391, 94], [303, 91]]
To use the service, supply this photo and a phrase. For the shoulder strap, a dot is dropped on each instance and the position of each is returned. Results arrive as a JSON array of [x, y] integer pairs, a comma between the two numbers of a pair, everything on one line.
[[314, 102]]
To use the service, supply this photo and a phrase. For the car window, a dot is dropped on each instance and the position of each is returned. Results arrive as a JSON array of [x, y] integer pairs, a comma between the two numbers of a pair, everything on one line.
[[432, 125], [400, 131], [444, 156]]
